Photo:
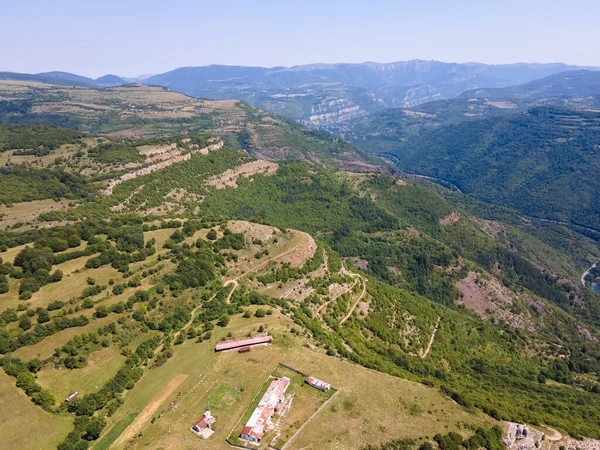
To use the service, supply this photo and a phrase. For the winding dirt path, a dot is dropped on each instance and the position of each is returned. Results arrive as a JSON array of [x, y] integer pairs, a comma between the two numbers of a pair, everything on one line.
[[360, 297], [428, 349], [324, 305], [235, 285], [593, 266], [262, 264]]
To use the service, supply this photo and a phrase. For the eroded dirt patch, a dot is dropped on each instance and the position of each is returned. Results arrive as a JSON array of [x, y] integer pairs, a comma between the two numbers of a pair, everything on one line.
[[230, 176], [489, 299], [450, 218]]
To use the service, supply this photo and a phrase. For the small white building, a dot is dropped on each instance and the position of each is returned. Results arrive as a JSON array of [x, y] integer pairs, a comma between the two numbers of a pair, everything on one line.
[[317, 384]]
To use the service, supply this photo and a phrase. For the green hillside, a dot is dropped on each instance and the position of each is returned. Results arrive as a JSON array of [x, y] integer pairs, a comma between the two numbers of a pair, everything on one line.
[[569, 84], [543, 162], [169, 242]]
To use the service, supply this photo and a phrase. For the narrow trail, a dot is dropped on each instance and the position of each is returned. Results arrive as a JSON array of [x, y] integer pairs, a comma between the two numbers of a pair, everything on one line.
[[259, 266], [427, 350], [343, 271], [593, 266], [235, 285], [324, 305], [185, 327]]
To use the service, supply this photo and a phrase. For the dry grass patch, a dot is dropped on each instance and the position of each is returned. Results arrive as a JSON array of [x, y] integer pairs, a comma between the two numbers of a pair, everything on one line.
[[24, 426], [101, 366]]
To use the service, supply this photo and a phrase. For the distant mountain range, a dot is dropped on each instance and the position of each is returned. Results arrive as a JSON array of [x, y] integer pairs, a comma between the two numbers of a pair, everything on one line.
[[384, 131], [532, 147], [570, 84], [65, 78], [322, 95]]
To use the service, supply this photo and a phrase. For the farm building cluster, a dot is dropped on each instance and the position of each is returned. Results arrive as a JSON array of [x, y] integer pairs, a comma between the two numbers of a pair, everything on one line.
[[243, 345], [260, 420], [204, 427]]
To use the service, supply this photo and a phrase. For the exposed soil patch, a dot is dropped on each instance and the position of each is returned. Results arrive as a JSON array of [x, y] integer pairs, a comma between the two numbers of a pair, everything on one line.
[[451, 218], [302, 252], [357, 262], [230, 176], [252, 231], [488, 298]]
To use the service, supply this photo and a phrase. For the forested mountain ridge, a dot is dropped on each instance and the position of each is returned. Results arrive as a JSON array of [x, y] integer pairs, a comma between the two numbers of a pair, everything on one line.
[[382, 131], [543, 162], [326, 94], [569, 84], [424, 258]]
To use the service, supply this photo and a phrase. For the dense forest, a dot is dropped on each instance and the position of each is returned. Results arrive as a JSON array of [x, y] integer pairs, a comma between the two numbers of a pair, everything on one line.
[[543, 163]]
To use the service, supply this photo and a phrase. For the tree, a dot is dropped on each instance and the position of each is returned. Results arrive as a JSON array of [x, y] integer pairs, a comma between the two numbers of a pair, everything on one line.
[[43, 315], [223, 320], [31, 259], [3, 284], [131, 238], [24, 322], [56, 276], [260, 312], [93, 429], [35, 365], [211, 235]]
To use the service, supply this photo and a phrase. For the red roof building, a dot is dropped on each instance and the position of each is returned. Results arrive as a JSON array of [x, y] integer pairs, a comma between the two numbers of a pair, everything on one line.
[[230, 345], [259, 421]]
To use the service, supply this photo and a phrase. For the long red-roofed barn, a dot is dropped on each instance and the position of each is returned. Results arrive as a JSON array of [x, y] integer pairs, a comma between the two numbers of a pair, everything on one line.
[[251, 342], [259, 421], [318, 384]]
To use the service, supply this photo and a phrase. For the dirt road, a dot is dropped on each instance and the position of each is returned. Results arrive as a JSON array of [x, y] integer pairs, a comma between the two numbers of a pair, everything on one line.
[[135, 427], [593, 266], [437, 325], [343, 271]]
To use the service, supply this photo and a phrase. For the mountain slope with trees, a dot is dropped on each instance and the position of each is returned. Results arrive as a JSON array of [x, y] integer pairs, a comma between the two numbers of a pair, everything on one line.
[[544, 162]]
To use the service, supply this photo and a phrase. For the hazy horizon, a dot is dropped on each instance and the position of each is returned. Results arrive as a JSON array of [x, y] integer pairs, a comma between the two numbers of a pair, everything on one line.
[[133, 38], [310, 64]]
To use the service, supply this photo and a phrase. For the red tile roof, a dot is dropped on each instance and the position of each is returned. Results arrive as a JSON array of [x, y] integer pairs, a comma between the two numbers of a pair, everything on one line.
[[243, 343]]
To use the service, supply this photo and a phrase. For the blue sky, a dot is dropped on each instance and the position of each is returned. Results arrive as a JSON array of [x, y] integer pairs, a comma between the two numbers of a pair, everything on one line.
[[132, 37]]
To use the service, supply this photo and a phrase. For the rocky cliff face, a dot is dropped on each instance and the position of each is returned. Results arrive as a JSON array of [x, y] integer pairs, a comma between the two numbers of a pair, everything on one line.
[[334, 111], [323, 94]]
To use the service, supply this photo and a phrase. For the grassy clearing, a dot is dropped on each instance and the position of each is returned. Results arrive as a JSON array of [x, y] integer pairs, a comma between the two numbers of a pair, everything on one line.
[[27, 212], [223, 397], [9, 255], [115, 431], [101, 366], [72, 285], [18, 414], [45, 348]]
